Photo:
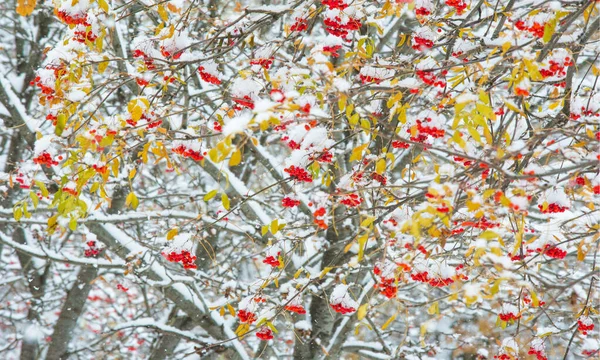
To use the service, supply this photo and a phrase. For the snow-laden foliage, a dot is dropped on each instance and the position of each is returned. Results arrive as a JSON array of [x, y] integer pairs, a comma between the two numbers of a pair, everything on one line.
[[394, 179]]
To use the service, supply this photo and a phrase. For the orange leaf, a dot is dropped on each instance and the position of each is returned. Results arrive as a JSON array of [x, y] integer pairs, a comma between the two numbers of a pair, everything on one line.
[[25, 7]]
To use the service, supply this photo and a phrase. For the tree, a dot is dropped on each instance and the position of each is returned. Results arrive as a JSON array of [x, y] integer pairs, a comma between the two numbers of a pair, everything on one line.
[[308, 179]]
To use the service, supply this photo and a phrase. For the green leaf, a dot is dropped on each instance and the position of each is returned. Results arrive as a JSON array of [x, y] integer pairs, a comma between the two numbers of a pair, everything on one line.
[[34, 199], [61, 122], [73, 224]]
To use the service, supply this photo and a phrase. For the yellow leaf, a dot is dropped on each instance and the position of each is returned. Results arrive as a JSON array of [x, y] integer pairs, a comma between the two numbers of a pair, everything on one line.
[[34, 199], [225, 201], [489, 235], [367, 221], [171, 234], [505, 47], [136, 113], [362, 243], [211, 194], [274, 226], [102, 67], [325, 271], [357, 152], [549, 29], [380, 166], [231, 309], [459, 140], [103, 5], [132, 201], [388, 322], [132, 173], [25, 7], [434, 308], [342, 102], [362, 311], [163, 13], [486, 110], [474, 134], [42, 187], [242, 329], [236, 158]]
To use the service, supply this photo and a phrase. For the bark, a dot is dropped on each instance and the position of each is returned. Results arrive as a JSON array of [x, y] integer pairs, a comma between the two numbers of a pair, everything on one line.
[[166, 343], [71, 310]]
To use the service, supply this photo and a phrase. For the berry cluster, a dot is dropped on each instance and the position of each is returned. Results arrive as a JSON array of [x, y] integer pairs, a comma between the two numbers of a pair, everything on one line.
[[147, 60], [422, 11], [298, 174], [553, 208], [435, 282], [291, 144], [387, 285], [332, 50], [264, 333], [379, 178], [22, 180], [46, 90], [279, 96], [246, 316], [556, 68], [397, 144], [208, 77], [539, 354], [459, 5], [92, 250], [184, 257], [521, 92], [272, 260], [424, 131], [335, 4], [340, 308], [365, 79], [53, 118], [84, 35], [585, 324], [300, 25], [319, 221], [166, 53], [536, 29], [336, 28], [289, 202], [352, 200], [100, 169], [552, 252], [264, 63], [482, 224], [72, 19], [185, 152], [465, 162], [69, 190], [298, 309], [421, 43], [45, 159], [151, 123], [509, 316], [527, 300], [246, 101], [504, 357], [429, 78]]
